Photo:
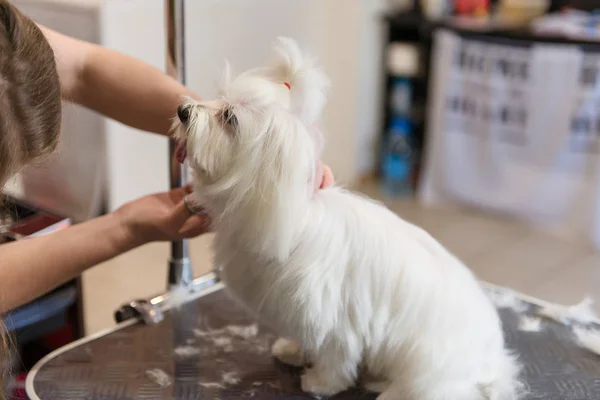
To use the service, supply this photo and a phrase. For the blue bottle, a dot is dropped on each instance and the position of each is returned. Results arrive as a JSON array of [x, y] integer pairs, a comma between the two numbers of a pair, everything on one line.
[[398, 159], [401, 96]]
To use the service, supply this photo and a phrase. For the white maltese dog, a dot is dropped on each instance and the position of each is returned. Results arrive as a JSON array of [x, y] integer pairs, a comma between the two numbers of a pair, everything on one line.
[[358, 293]]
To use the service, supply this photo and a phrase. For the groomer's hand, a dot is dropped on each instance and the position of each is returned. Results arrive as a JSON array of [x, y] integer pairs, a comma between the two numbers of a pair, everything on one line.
[[164, 216], [161, 217]]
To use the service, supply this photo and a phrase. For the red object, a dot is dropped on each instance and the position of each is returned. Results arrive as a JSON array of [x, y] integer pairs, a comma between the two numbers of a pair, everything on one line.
[[288, 85], [470, 7], [61, 337], [34, 224], [462, 7], [18, 390]]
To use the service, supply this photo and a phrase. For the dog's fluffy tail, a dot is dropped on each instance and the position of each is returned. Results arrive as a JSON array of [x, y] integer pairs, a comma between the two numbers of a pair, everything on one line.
[[308, 84], [506, 384]]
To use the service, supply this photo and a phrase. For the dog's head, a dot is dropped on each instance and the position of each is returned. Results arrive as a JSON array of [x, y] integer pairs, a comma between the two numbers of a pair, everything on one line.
[[255, 148]]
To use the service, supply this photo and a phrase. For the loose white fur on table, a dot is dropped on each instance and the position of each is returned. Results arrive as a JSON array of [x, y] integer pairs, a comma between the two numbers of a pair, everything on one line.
[[588, 339], [186, 351], [231, 378], [349, 282], [244, 332], [581, 313], [504, 298], [160, 377], [530, 324]]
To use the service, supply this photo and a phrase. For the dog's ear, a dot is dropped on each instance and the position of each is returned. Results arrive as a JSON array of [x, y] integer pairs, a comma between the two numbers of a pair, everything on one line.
[[226, 75], [305, 80]]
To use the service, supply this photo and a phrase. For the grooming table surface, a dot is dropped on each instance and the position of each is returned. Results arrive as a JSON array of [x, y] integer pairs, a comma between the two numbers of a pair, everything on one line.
[[210, 349]]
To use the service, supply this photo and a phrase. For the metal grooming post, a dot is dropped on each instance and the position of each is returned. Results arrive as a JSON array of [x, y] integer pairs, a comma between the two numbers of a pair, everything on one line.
[[180, 265]]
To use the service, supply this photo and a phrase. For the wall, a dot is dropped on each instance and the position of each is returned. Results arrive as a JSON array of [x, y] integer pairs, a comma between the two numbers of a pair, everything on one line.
[[346, 35], [138, 162], [371, 83], [353, 36]]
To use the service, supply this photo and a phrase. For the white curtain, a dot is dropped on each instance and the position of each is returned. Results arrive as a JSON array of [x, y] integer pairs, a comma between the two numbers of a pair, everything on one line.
[[515, 128]]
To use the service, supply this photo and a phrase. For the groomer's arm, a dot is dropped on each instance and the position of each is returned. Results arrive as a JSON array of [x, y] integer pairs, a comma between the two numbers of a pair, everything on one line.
[[116, 85], [123, 88], [32, 267]]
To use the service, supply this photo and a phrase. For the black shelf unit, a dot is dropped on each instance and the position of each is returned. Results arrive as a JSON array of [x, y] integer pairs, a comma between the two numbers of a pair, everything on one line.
[[409, 28], [415, 29]]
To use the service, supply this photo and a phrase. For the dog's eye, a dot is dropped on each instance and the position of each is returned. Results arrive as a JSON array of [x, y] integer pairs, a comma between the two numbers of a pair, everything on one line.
[[229, 118]]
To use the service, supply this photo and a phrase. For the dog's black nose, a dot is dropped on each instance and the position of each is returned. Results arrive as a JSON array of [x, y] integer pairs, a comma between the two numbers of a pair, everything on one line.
[[183, 112]]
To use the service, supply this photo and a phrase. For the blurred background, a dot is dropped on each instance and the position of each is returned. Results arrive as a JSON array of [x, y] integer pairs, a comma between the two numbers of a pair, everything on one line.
[[475, 119]]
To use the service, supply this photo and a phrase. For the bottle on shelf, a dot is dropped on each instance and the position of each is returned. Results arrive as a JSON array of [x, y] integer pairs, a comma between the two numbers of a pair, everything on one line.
[[435, 9], [399, 159], [401, 97]]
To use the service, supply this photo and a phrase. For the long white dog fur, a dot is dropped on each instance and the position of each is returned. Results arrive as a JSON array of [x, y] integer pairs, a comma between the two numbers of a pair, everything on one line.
[[360, 295]]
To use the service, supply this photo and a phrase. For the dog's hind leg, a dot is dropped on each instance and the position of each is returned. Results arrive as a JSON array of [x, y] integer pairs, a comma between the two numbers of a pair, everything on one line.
[[377, 386], [335, 370], [392, 393], [288, 352]]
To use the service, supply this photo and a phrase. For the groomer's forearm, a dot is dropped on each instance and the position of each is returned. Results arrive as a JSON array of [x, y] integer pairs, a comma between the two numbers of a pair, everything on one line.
[[33, 267], [129, 90], [118, 86]]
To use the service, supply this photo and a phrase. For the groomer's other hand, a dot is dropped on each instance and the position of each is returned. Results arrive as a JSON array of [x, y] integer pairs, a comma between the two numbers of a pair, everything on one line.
[[324, 177], [162, 217]]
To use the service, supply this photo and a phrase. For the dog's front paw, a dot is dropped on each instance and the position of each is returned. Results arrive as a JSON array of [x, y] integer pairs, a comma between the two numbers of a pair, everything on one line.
[[288, 352], [321, 385]]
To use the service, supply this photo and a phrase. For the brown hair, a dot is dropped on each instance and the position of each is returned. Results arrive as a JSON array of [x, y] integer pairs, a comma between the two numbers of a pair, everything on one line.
[[30, 107]]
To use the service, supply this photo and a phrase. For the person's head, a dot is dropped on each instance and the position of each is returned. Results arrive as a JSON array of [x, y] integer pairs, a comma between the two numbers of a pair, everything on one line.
[[30, 106], [30, 103]]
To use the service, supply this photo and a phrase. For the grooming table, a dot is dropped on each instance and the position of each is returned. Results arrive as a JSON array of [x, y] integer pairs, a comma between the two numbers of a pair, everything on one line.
[[209, 348], [195, 343]]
